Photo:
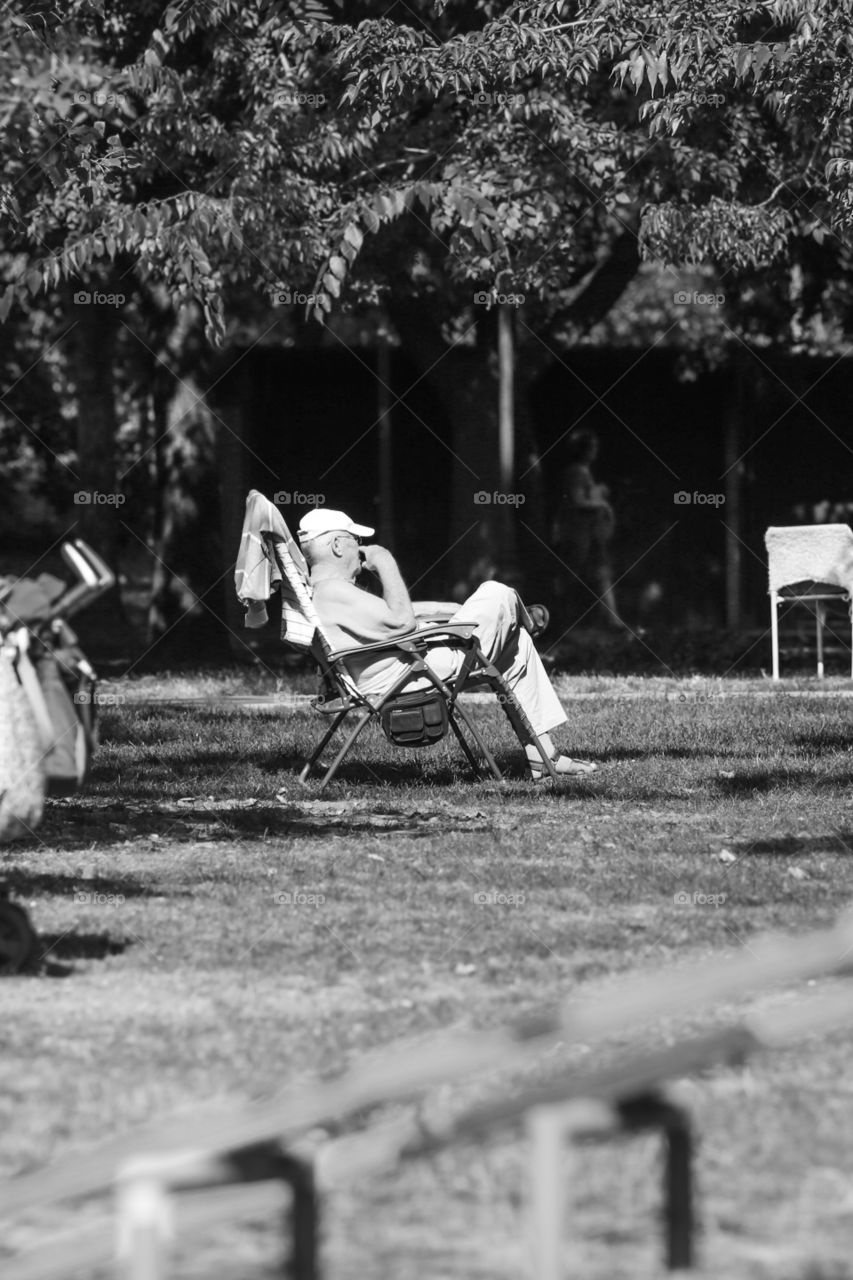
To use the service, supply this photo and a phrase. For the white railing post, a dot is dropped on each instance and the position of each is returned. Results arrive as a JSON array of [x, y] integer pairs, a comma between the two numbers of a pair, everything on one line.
[[143, 1222], [545, 1193]]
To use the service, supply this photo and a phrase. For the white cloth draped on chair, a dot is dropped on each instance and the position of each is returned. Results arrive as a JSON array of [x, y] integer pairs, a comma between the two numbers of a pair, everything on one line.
[[814, 558], [810, 553]]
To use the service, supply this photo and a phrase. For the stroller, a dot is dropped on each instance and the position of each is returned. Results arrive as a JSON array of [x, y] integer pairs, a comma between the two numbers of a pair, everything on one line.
[[48, 732]]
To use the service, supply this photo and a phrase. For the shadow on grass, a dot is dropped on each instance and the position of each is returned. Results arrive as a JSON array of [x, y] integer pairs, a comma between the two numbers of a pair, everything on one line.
[[668, 753], [79, 946], [766, 779], [820, 740], [791, 845], [55, 952], [25, 883], [79, 828]]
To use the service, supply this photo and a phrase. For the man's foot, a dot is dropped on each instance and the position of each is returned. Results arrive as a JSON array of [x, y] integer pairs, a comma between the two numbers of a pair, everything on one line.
[[540, 617], [563, 765]]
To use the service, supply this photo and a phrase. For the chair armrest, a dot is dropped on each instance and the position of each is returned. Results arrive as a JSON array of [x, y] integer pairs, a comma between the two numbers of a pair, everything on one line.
[[411, 641]]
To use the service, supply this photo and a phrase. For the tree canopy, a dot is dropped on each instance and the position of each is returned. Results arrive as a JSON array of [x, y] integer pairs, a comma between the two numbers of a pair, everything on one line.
[[213, 147], [707, 134]]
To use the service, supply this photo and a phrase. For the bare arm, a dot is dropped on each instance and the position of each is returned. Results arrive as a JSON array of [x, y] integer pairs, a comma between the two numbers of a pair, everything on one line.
[[394, 591]]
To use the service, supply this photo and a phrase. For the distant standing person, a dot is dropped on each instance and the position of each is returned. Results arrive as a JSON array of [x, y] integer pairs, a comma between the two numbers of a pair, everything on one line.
[[584, 525]]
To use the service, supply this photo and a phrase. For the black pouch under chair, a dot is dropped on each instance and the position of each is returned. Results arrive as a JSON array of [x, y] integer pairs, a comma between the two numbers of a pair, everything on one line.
[[415, 719]]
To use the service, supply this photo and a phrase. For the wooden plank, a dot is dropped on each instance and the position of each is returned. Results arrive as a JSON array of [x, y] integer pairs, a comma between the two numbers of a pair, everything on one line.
[[398, 1074], [349, 1158], [67, 1254], [354, 1156]]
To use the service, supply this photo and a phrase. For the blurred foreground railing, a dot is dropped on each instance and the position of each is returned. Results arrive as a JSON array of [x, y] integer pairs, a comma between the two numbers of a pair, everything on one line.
[[198, 1171]]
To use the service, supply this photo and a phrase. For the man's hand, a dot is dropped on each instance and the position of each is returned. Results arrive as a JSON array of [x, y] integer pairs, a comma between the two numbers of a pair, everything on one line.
[[376, 558]]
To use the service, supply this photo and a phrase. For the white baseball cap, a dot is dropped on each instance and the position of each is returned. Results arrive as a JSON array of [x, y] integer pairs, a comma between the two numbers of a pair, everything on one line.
[[322, 520]]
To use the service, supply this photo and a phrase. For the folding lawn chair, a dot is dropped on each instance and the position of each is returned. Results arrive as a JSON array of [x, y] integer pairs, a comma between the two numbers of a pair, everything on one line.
[[409, 717]]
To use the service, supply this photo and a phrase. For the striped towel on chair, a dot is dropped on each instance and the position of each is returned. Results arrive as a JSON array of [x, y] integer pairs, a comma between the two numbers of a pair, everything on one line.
[[259, 572]]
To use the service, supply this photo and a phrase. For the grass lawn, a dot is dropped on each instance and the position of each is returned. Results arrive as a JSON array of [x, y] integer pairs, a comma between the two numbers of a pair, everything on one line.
[[182, 976]]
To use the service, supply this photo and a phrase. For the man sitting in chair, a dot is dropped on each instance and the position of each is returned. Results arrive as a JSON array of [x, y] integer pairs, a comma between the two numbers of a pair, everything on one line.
[[330, 542]]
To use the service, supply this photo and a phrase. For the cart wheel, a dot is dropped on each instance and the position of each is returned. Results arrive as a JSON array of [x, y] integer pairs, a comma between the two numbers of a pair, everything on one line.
[[17, 938]]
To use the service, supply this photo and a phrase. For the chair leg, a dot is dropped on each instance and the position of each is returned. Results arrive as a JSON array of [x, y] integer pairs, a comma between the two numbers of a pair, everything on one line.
[[472, 729], [464, 745], [774, 632], [517, 717], [324, 742], [513, 710], [333, 767]]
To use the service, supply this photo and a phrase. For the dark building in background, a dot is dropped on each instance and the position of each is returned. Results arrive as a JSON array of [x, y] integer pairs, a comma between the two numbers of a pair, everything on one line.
[[308, 424]]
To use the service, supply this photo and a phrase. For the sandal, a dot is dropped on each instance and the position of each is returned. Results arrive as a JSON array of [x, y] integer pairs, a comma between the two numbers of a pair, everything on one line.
[[565, 766]]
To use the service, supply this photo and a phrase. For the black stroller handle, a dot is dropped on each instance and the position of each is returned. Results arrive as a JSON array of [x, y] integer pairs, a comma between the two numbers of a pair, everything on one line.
[[95, 578], [38, 605]]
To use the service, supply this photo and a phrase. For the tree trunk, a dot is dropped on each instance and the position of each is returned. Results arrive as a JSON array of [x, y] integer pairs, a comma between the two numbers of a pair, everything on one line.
[[91, 348], [235, 447], [481, 540], [98, 505], [732, 514], [187, 613]]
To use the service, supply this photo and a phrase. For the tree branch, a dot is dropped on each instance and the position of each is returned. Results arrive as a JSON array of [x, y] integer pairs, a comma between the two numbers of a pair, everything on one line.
[[603, 287]]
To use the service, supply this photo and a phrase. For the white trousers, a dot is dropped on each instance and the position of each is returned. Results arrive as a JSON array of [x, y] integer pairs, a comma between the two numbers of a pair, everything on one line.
[[501, 633]]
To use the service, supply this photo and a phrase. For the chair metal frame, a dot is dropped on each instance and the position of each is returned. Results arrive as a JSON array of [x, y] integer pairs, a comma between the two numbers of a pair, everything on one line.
[[413, 649], [803, 594]]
